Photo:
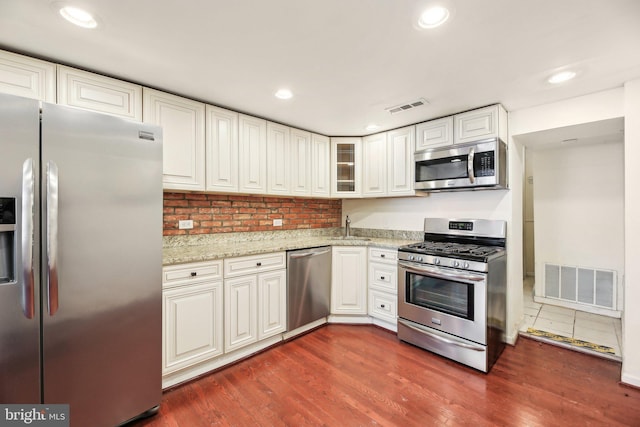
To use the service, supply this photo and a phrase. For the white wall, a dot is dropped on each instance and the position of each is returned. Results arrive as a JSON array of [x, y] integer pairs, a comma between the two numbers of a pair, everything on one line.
[[631, 315], [579, 208]]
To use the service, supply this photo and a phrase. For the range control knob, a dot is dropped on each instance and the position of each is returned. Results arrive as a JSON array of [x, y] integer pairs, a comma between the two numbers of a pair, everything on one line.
[[411, 257], [455, 263], [436, 261], [466, 265], [420, 259]]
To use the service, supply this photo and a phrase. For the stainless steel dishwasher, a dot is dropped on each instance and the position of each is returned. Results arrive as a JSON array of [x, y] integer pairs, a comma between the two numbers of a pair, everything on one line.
[[308, 285]]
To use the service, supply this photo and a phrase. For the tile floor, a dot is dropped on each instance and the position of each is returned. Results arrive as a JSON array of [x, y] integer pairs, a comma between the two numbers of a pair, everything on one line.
[[596, 329]]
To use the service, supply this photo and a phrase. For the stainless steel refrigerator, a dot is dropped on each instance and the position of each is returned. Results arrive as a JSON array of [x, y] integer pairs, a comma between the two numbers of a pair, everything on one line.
[[80, 261]]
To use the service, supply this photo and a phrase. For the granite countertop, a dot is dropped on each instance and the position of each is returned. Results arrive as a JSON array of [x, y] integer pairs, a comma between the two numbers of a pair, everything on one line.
[[185, 249]]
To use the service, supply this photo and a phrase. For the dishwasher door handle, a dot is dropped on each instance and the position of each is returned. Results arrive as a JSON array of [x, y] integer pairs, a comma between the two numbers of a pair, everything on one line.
[[307, 254]]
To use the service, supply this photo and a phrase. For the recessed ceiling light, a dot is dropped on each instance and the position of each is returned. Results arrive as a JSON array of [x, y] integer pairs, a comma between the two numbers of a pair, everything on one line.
[[562, 76], [372, 127], [79, 17], [433, 17], [284, 94]]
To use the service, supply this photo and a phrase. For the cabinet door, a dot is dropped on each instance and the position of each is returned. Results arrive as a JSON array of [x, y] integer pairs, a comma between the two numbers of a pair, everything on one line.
[[374, 165], [222, 150], [320, 166], [272, 303], [27, 77], [477, 124], [192, 319], [434, 133], [349, 280], [301, 163], [253, 155], [346, 175], [99, 93], [400, 166], [240, 309], [278, 160], [183, 138]]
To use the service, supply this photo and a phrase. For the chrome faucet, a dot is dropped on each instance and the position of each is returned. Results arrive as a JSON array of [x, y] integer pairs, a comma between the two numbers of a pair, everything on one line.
[[347, 228]]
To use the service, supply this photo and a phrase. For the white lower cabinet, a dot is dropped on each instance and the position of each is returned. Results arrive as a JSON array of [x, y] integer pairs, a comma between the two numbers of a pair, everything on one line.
[[255, 298], [192, 315], [383, 286], [349, 280]]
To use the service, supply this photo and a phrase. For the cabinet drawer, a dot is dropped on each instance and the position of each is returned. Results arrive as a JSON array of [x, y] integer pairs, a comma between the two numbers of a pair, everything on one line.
[[254, 264], [383, 276], [389, 256], [179, 274], [383, 305]]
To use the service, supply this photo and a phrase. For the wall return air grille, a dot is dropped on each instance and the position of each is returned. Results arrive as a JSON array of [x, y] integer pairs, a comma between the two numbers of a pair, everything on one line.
[[581, 285], [407, 106]]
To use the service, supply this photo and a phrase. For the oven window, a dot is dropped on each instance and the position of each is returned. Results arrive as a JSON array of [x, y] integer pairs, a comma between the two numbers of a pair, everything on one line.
[[446, 296], [448, 168]]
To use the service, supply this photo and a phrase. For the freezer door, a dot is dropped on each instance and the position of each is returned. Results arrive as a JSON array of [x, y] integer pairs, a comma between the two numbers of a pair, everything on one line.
[[102, 265], [19, 310]]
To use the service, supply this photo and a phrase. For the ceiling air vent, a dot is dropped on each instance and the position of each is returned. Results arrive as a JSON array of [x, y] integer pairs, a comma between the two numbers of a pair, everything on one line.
[[407, 106]]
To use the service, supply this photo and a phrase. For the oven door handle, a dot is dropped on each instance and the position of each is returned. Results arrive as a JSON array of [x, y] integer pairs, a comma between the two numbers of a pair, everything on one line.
[[423, 331], [439, 273]]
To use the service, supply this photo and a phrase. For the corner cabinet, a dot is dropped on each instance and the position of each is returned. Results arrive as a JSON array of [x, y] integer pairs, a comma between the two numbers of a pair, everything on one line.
[[192, 314], [222, 150], [252, 135], [27, 77], [94, 92], [348, 280], [183, 130], [487, 122], [346, 173]]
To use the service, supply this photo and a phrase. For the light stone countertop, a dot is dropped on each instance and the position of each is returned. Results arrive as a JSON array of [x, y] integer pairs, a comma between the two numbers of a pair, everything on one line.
[[185, 249]]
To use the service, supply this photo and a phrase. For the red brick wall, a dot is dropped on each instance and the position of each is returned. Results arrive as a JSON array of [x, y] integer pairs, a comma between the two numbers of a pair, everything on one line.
[[216, 213]]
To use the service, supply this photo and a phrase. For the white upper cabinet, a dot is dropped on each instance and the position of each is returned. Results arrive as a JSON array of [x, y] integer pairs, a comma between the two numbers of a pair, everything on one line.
[[434, 133], [346, 168], [278, 159], [374, 165], [400, 165], [183, 130], [474, 125], [27, 77], [222, 149], [300, 163], [94, 92], [320, 166], [253, 154]]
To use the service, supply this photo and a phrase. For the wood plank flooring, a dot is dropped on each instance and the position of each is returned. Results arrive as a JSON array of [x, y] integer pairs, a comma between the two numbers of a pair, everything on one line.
[[342, 375]]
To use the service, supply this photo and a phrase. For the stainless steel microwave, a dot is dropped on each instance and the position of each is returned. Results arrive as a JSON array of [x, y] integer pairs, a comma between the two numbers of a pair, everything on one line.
[[470, 166]]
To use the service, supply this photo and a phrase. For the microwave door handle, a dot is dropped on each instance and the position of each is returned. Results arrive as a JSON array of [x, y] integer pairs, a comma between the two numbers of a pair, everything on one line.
[[439, 273], [28, 186], [470, 156]]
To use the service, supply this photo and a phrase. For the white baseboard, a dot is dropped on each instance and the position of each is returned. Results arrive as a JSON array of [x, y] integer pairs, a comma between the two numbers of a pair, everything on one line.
[[633, 380], [305, 328], [350, 319]]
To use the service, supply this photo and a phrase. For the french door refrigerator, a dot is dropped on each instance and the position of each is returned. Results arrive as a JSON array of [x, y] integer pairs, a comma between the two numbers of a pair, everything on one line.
[[80, 261]]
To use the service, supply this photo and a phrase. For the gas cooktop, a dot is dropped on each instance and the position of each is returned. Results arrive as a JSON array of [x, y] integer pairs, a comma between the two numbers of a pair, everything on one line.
[[452, 250]]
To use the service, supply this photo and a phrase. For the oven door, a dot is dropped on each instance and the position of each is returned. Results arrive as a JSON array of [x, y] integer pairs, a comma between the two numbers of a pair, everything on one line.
[[447, 299]]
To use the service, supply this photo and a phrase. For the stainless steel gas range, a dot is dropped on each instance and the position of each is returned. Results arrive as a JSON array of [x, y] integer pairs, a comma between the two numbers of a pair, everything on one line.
[[452, 290]]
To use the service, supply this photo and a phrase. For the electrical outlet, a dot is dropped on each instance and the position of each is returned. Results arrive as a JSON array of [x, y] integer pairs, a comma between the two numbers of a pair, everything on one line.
[[277, 223], [185, 224]]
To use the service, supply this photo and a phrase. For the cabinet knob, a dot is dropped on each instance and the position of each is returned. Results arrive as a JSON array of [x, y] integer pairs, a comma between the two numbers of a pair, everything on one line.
[[381, 255], [381, 277], [381, 305], [258, 264], [194, 273]]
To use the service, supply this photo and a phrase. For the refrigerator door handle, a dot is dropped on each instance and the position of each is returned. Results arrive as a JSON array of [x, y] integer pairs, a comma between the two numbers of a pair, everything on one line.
[[28, 185], [52, 237]]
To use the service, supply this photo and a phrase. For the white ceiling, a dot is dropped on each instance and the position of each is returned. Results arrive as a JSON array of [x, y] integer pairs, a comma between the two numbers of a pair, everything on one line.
[[345, 60]]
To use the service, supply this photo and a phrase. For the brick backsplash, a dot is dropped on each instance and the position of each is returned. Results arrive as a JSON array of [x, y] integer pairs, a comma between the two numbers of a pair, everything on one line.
[[216, 213]]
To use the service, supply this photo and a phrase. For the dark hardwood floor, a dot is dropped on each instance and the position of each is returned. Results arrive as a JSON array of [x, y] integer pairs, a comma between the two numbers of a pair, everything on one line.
[[342, 375]]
